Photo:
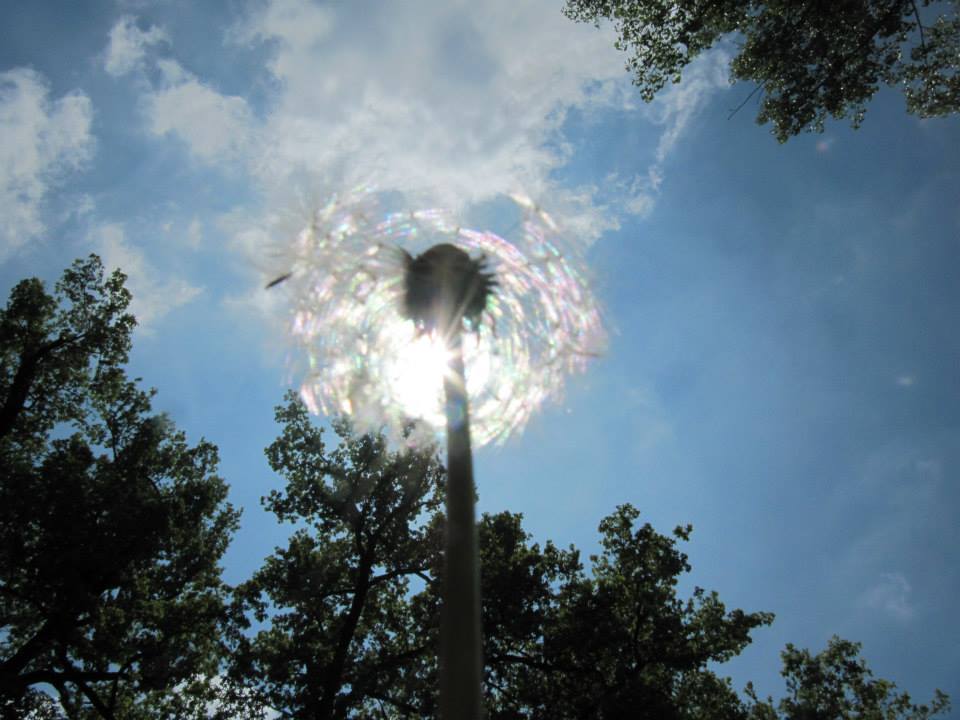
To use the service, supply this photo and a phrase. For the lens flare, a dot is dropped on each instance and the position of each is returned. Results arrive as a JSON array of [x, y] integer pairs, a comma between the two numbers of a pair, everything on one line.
[[363, 358]]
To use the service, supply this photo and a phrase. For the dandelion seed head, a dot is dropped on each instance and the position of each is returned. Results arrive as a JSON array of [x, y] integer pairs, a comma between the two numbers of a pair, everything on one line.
[[359, 355]]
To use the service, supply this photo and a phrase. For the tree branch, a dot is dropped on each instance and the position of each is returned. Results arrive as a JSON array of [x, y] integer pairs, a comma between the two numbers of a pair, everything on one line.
[[333, 675], [66, 700], [406, 707], [23, 379], [426, 578], [528, 662], [105, 712], [27, 651], [739, 107], [397, 659], [418, 571], [74, 676], [923, 43]]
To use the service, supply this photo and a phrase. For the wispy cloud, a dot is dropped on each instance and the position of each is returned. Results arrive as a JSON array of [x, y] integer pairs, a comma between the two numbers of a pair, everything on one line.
[[896, 507], [194, 235], [41, 141], [153, 297], [216, 128], [891, 595], [673, 110], [128, 45], [650, 424], [446, 103], [455, 102]]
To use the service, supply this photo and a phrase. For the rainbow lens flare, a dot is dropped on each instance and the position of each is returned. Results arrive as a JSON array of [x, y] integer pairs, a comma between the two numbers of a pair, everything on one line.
[[364, 359]]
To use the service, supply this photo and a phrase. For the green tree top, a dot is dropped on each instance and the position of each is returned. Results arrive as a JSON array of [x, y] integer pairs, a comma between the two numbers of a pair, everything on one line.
[[340, 632], [111, 525], [809, 60], [55, 347], [836, 684], [349, 609]]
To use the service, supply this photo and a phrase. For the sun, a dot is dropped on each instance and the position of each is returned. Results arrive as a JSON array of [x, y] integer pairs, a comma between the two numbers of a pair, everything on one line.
[[414, 369]]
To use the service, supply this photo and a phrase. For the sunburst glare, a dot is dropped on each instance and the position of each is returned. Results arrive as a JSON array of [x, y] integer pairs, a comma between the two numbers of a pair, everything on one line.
[[363, 358]]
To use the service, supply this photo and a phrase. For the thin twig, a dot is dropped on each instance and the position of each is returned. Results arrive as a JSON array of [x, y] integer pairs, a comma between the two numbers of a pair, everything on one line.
[[739, 107], [923, 44]]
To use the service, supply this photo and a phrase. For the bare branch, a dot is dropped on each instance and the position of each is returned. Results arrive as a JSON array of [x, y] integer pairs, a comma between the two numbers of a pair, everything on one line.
[[923, 43], [739, 107]]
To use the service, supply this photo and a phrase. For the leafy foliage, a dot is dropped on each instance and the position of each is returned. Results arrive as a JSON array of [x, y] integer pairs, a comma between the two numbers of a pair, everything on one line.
[[112, 527], [340, 632], [348, 612], [111, 524], [350, 608], [836, 684], [618, 641], [811, 60]]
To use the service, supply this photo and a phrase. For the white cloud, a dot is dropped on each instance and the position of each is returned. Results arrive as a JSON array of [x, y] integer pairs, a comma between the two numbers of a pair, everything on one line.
[[128, 45], [297, 25], [40, 141], [152, 297], [249, 239], [674, 109], [215, 127], [906, 380], [891, 594], [678, 104], [447, 104], [450, 103]]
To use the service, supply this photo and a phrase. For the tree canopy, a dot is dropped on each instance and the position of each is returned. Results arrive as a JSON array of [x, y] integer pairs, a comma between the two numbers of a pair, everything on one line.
[[112, 527], [351, 605], [809, 60], [836, 684], [111, 524], [340, 632], [347, 614]]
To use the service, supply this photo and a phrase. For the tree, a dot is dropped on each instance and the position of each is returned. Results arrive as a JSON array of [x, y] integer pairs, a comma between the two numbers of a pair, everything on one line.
[[339, 632], [348, 611], [614, 642], [111, 524], [810, 60], [836, 684], [350, 608]]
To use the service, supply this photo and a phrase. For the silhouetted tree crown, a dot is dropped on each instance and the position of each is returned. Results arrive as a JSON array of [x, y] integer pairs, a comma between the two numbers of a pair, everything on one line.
[[836, 684], [348, 611], [808, 60], [112, 527], [340, 635], [111, 524]]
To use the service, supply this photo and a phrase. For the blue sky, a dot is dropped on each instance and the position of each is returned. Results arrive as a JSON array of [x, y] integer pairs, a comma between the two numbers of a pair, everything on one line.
[[783, 364]]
